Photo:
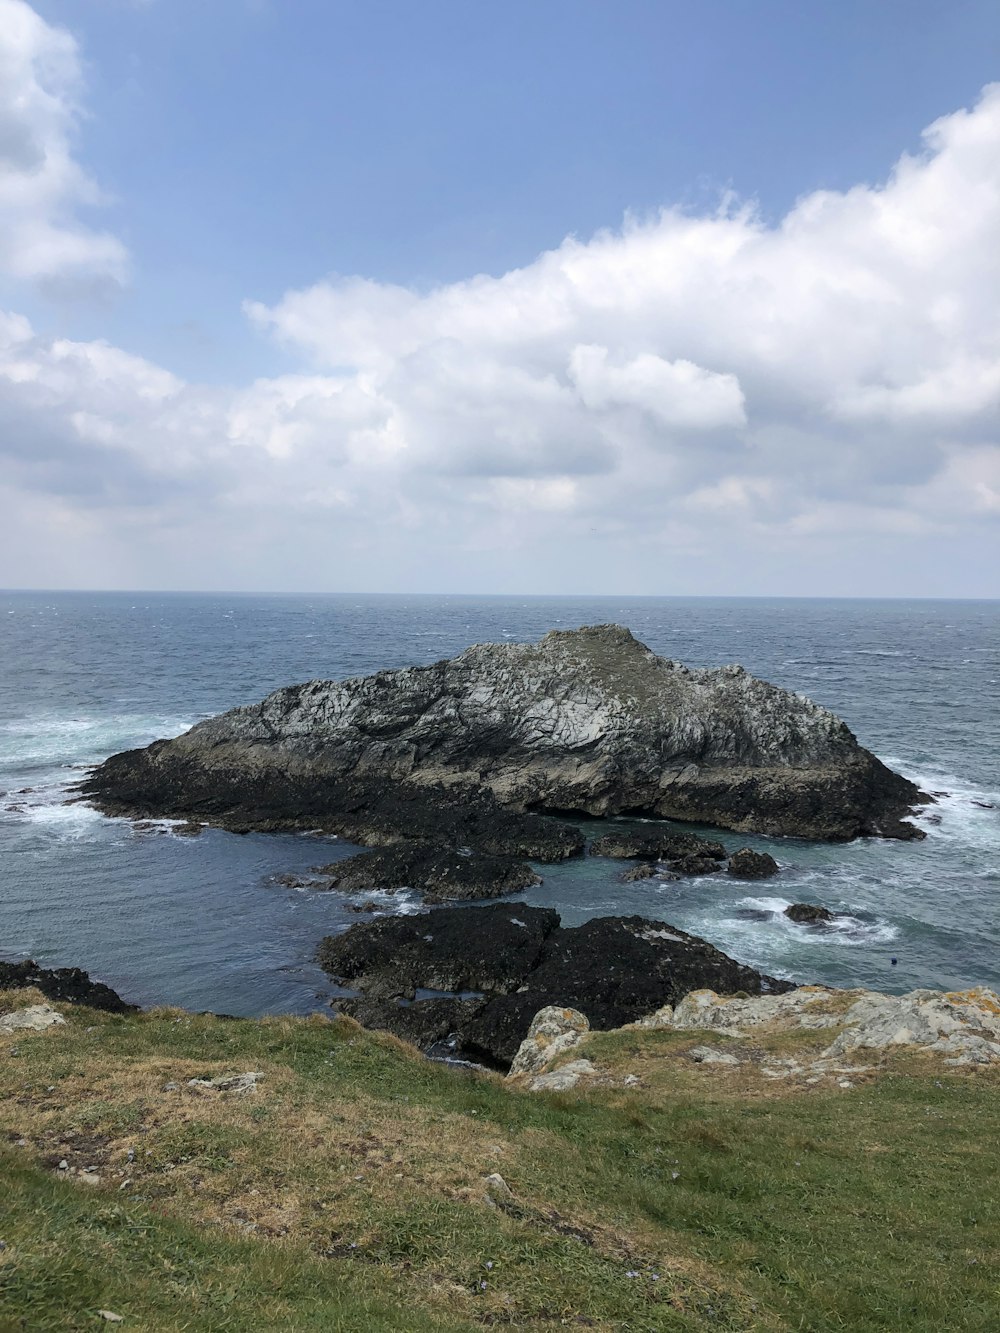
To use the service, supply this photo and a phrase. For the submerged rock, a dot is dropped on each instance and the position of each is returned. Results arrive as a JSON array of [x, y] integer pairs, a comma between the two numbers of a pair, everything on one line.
[[63, 983], [587, 720], [748, 864], [439, 875], [809, 914], [520, 960]]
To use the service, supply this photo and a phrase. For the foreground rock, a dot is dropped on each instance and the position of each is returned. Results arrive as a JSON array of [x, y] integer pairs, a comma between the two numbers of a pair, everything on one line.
[[588, 720], [500, 965], [963, 1026], [440, 876], [63, 983], [35, 1018]]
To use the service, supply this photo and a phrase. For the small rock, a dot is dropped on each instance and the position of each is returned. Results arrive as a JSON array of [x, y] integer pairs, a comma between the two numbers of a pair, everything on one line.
[[748, 864], [499, 1193], [110, 1317], [630, 1081], [561, 1080], [170, 1087], [228, 1082], [89, 1177], [64, 1165], [711, 1055], [808, 914]]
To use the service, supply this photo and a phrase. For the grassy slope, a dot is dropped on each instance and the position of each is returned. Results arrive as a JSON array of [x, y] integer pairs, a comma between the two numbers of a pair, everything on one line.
[[347, 1191]]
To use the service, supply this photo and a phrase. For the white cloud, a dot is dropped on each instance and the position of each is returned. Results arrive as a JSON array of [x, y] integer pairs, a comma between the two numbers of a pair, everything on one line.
[[688, 394], [41, 184]]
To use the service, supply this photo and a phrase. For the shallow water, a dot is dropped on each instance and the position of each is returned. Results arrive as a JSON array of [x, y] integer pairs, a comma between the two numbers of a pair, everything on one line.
[[201, 921]]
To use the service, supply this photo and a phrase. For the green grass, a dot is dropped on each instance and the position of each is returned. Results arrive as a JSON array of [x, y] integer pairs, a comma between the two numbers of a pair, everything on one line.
[[348, 1191]]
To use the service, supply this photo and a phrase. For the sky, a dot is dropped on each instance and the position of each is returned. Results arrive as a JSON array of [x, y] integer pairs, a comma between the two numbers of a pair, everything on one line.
[[551, 297]]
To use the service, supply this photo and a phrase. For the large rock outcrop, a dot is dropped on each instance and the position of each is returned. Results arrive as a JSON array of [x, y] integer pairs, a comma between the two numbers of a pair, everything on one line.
[[489, 971], [588, 721]]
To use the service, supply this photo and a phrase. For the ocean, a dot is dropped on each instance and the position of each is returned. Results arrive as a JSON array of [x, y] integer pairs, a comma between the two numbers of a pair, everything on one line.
[[206, 922]]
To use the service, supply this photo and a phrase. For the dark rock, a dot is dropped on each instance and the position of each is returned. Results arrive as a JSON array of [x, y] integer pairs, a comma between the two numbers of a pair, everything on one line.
[[441, 876], [808, 914], [587, 721], [69, 984], [613, 969], [424, 1022], [644, 870], [748, 864], [683, 853], [451, 949]]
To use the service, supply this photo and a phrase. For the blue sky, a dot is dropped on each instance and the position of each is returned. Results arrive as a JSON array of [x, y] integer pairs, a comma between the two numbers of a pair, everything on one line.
[[250, 156]]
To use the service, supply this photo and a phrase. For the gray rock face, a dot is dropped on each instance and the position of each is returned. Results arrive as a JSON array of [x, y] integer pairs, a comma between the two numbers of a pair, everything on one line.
[[587, 720]]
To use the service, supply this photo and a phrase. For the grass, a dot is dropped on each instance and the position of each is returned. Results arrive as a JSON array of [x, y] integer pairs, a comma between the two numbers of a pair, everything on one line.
[[348, 1190]]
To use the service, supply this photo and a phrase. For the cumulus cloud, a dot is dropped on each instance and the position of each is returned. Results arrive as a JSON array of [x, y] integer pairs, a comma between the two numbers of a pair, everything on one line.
[[42, 186], [688, 393]]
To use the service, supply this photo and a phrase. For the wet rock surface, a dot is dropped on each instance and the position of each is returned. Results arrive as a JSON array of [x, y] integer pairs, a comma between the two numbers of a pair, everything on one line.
[[587, 721], [439, 875], [63, 983], [680, 853], [613, 970], [748, 864], [809, 914]]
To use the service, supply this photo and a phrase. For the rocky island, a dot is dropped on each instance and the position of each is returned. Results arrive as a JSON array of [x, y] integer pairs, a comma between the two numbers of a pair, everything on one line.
[[473, 752]]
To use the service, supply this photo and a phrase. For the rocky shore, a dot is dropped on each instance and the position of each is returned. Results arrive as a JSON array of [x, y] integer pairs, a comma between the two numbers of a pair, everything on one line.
[[475, 978], [473, 751]]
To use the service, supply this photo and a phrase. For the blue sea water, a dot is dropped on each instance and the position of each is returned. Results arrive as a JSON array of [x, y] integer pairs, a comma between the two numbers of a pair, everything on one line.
[[203, 922]]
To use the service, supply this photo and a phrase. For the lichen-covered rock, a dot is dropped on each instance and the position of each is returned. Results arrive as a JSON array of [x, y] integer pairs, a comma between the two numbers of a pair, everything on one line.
[[553, 1030], [962, 1025], [565, 1077], [586, 720], [748, 864], [33, 1018]]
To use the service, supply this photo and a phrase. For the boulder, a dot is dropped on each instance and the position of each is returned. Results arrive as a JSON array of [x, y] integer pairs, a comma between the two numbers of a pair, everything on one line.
[[440, 875], [517, 961], [809, 914], [553, 1030], [587, 720], [748, 864]]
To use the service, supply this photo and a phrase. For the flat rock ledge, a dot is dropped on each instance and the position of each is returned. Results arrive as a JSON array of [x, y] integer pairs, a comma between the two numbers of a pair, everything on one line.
[[472, 750], [474, 978], [960, 1027]]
